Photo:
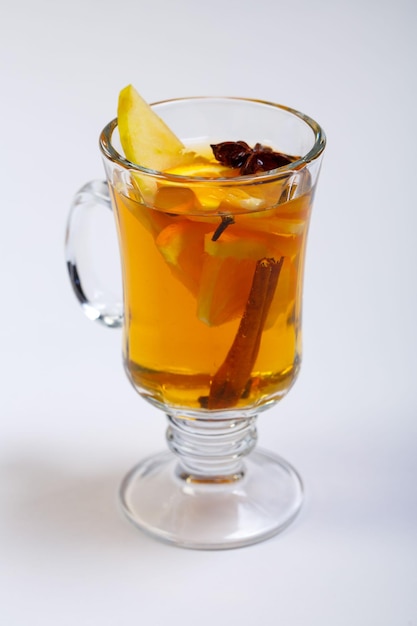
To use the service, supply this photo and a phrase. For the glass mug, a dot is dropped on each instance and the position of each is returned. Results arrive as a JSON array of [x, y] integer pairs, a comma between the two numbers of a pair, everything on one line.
[[212, 274]]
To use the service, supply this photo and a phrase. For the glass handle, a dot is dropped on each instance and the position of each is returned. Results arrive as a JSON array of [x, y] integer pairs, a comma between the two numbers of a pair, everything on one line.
[[90, 250]]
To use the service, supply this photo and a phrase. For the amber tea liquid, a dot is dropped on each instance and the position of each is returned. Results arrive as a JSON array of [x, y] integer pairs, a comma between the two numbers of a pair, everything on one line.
[[212, 289]]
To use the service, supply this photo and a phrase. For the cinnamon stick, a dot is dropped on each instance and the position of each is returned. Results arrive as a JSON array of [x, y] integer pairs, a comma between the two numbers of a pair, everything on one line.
[[231, 379]]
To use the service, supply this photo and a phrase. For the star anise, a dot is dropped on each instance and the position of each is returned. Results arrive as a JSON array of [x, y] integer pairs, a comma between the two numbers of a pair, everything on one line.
[[249, 160]]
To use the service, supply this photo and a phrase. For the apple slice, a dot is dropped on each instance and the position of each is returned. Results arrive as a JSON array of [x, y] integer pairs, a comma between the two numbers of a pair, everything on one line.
[[145, 138], [224, 289], [182, 246]]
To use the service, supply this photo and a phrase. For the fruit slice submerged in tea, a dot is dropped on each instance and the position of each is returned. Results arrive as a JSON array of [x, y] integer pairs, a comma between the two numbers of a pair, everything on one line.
[[228, 271], [224, 289], [218, 273], [240, 244], [182, 246]]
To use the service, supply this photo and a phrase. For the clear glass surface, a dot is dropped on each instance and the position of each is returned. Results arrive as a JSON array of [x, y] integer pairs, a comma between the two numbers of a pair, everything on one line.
[[212, 278], [265, 498]]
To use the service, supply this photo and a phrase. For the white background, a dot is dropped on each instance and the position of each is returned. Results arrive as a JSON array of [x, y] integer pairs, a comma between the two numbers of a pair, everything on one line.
[[71, 425]]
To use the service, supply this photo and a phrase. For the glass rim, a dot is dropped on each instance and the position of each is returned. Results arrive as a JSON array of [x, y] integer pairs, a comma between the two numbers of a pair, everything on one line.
[[110, 152]]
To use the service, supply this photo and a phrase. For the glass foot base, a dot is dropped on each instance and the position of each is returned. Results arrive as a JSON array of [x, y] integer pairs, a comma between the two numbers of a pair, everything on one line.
[[212, 516]]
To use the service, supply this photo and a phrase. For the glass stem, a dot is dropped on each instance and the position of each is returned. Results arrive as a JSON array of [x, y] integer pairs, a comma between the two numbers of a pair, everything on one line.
[[211, 451]]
